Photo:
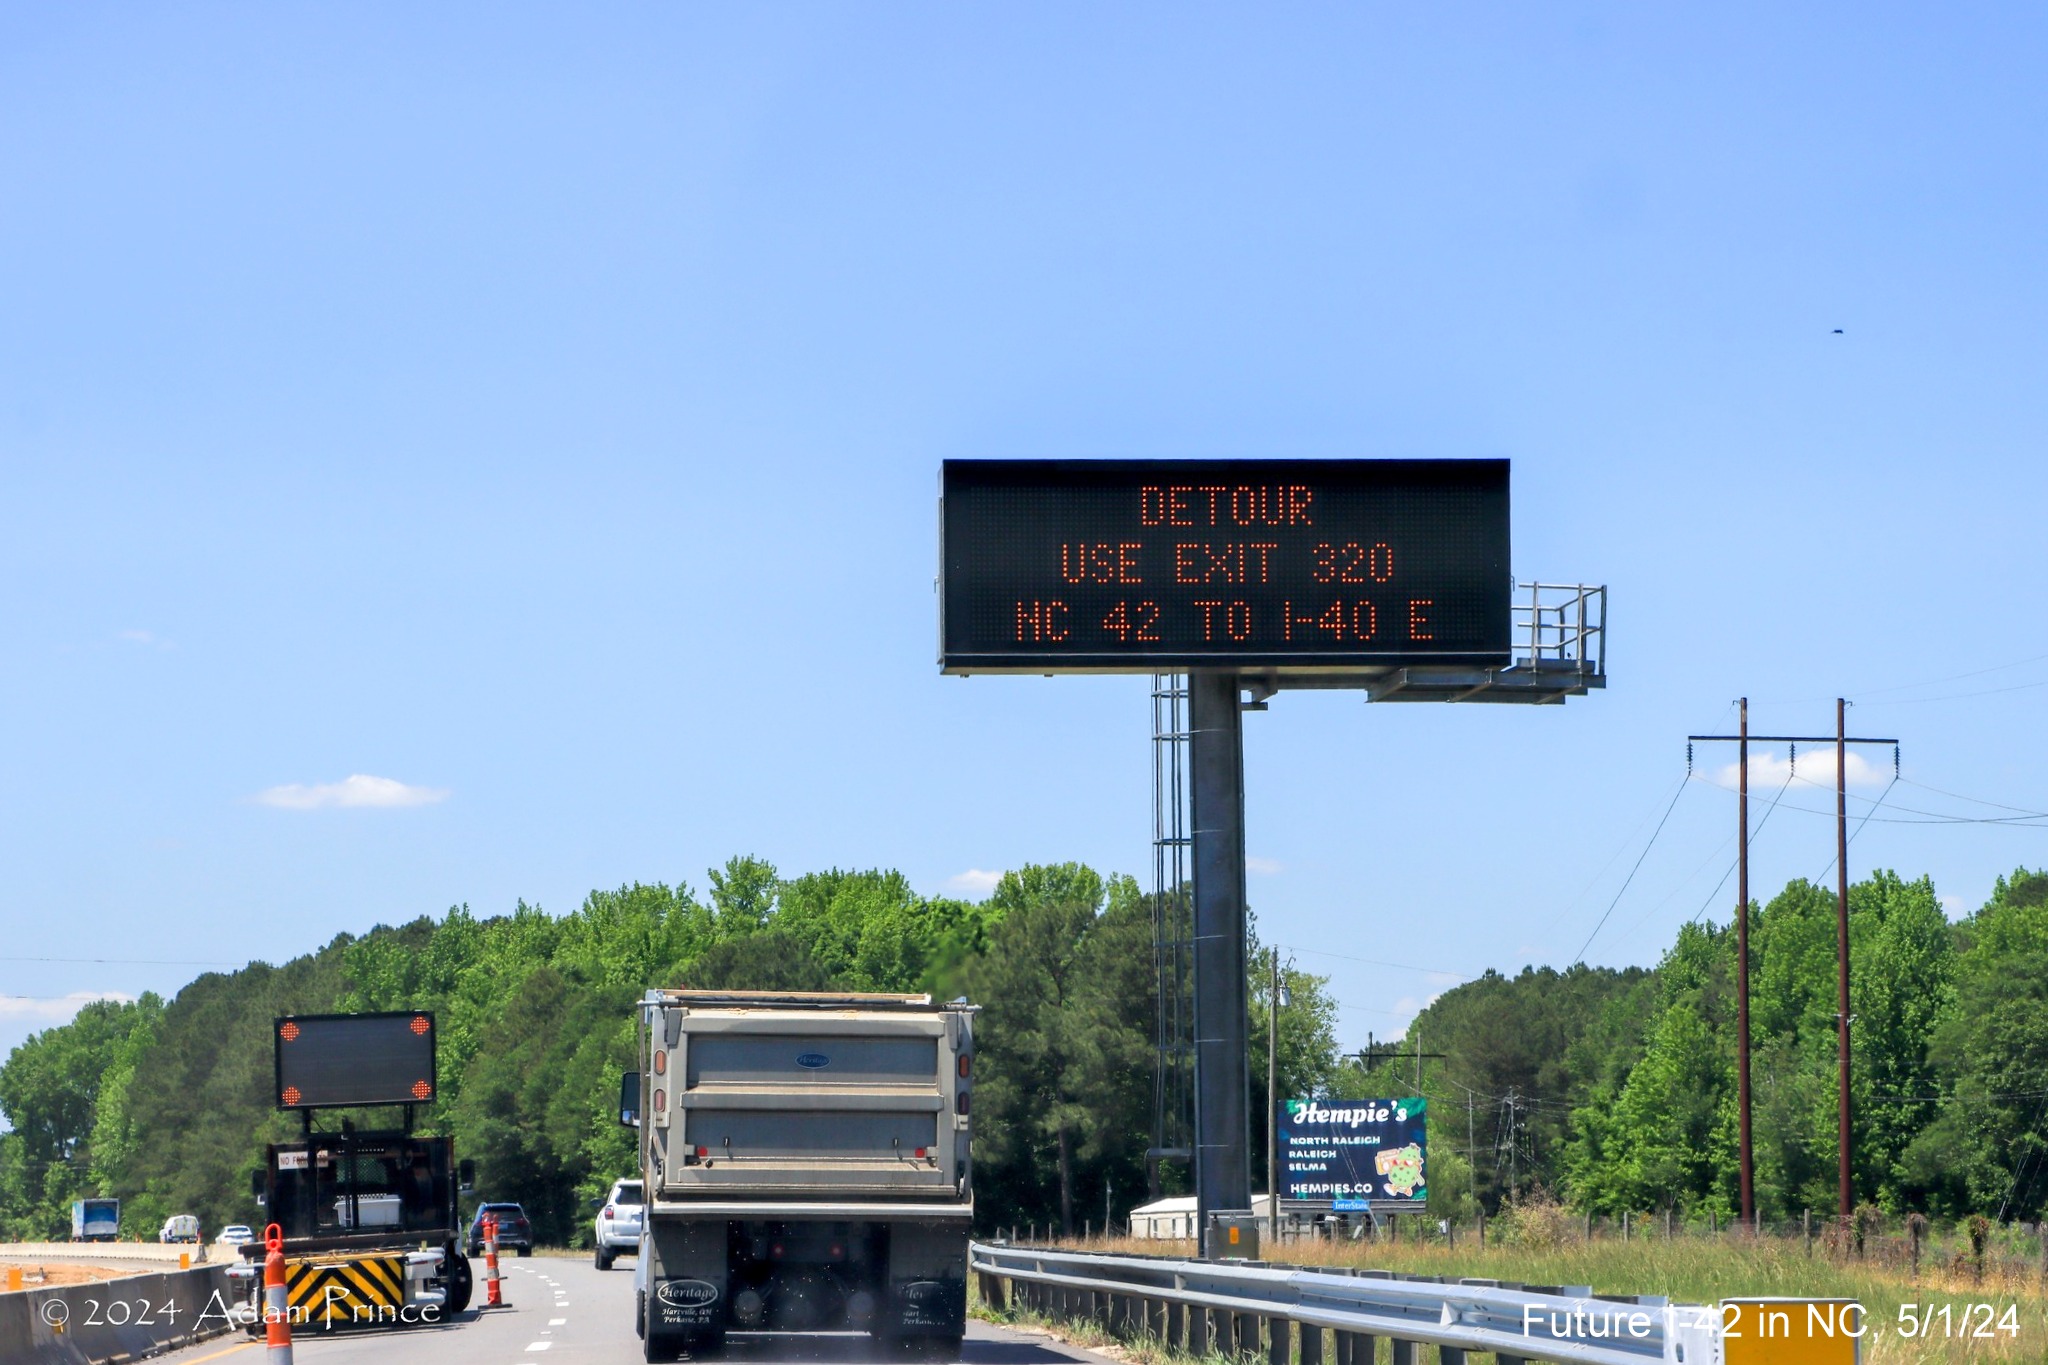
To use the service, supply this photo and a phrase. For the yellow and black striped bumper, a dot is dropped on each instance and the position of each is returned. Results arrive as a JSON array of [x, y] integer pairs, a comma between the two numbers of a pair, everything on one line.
[[361, 1291]]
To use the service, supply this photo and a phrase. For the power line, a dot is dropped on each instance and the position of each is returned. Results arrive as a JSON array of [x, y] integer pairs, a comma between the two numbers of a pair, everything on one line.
[[1581, 957], [1859, 825], [125, 961], [1375, 962]]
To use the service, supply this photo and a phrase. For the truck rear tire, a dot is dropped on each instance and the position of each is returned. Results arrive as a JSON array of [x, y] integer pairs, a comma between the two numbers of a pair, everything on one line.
[[603, 1259]]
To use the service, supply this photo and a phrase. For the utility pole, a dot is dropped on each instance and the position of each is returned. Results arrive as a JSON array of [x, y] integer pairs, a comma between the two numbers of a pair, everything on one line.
[[1273, 1098], [1841, 739], [1748, 1153], [1847, 1194]]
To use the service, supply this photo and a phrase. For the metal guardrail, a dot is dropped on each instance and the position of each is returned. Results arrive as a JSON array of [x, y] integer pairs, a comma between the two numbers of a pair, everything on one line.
[[1255, 1308]]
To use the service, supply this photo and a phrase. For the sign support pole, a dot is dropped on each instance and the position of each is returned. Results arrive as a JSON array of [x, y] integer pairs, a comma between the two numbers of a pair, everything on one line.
[[1222, 1117]]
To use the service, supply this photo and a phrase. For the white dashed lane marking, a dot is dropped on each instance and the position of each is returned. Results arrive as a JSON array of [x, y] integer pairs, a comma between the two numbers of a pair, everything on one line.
[[557, 1322], [538, 1345]]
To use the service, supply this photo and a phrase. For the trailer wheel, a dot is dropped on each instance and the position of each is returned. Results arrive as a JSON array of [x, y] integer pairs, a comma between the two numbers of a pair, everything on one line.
[[458, 1283]]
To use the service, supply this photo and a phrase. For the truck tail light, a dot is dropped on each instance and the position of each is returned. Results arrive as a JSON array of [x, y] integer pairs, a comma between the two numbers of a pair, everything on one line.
[[966, 1066], [920, 1154], [660, 1100], [960, 1103], [660, 1063], [703, 1152]]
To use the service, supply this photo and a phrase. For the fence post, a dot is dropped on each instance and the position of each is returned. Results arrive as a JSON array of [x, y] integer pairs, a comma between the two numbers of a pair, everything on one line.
[[1625, 1216], [1482, 1227], [1667, 1224], [1806, 1231]]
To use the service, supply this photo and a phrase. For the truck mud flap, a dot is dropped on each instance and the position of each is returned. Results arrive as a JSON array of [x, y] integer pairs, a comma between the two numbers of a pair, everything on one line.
[[684, 1305], [929, 1307]]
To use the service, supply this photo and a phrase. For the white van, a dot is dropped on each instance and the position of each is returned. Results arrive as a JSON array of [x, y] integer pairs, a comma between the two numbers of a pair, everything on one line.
[[180, 1227]]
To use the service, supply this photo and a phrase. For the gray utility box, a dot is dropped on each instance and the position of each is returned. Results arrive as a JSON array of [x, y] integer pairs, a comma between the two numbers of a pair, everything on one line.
[[807, 1165], [1233, 1235]]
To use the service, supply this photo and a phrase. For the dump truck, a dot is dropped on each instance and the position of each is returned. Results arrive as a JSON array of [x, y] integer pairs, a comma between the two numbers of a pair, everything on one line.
[[806, 1166], [368, 1217]]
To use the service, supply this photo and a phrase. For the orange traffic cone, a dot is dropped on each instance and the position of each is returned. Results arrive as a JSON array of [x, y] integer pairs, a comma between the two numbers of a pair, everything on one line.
[[493, 1295], [277, 1322]]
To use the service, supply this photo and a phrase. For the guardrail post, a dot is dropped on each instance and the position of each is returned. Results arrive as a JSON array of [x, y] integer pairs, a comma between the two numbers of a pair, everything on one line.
[[1173, 1326], [1198, 1329], [1222, 1333], [1311, 1345], [992, 1292], [1247, 1334], [1279, 1341], [1450, 1355], [1404, 1352]]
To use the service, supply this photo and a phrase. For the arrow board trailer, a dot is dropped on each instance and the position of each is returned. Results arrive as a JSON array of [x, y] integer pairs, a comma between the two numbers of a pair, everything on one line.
[[369, 1219], [806, 1166]]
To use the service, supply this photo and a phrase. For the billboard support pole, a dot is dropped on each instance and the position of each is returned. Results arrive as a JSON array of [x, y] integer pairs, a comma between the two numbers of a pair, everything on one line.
[[1222, 1120]]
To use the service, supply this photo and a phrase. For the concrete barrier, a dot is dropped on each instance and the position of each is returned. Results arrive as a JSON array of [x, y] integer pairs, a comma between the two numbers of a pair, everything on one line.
[[114, 1320], [139, 1254]]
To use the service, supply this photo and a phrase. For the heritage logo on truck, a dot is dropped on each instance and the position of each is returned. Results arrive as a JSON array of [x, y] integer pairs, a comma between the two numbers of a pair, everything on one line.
[[813, 1061], [685, 1303]]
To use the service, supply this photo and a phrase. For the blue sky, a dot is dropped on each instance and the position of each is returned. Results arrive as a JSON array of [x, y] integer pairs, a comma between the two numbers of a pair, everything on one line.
[[539, 412]]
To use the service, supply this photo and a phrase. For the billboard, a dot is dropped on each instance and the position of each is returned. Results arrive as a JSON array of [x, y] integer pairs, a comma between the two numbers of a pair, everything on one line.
[[1354, 1154], [1146, 565], [333, 1061]]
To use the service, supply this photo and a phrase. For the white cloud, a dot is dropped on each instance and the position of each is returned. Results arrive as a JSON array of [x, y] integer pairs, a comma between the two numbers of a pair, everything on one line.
[[1263, 867], [1814, 767], [1953, 907], [974, 882], [355, 791], [148, 639], [54, 1009]]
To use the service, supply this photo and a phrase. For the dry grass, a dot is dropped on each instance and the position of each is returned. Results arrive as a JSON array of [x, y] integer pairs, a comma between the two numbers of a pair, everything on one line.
[[1694, 1270]]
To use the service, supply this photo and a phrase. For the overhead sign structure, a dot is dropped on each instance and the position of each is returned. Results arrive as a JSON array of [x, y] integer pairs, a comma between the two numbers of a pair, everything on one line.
[[1149, 565], [1354, 1154], [337, 1061]]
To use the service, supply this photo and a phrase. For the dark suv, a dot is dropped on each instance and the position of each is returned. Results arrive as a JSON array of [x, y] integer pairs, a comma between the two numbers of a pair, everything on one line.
[[514, 1232]]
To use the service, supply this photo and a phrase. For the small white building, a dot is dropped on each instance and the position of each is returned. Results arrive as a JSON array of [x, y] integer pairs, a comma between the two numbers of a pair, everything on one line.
[[1166, 1218]]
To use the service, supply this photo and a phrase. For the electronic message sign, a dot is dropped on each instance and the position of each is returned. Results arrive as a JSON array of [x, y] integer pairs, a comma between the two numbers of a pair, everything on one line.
[[1148, 565], [333, 1061], [1354, 1154]]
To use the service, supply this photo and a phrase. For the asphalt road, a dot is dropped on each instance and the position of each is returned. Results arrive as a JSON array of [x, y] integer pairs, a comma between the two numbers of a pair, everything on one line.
[[567, 1312]]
